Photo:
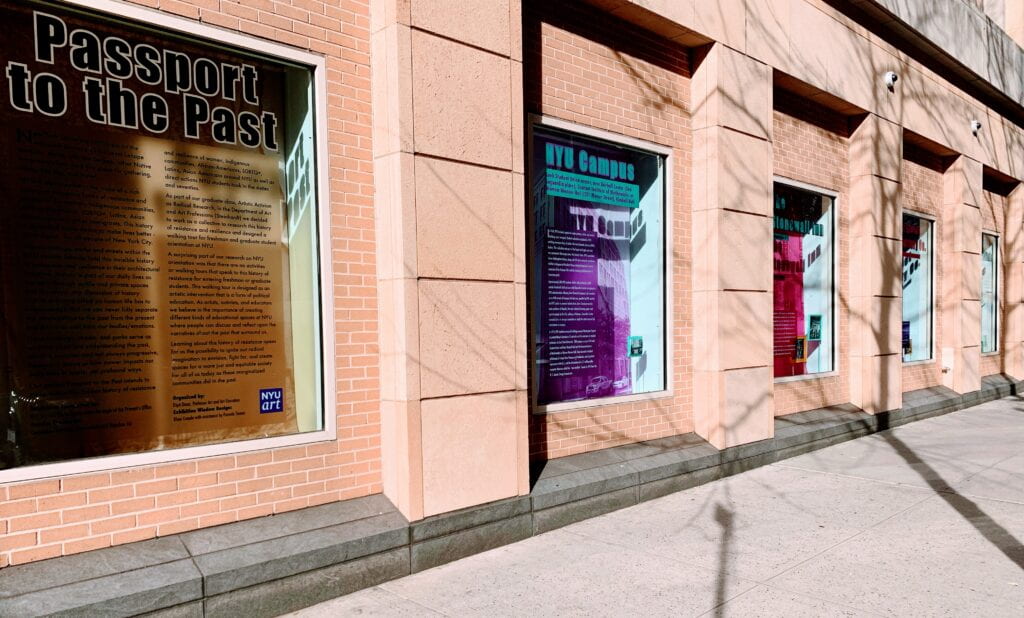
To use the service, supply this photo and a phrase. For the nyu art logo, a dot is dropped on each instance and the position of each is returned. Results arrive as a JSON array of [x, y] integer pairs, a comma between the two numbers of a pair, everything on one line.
[[271, 400]]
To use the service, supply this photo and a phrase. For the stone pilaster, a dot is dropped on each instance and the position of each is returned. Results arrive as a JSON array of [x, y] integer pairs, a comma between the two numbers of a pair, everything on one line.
[[961, 286], [732, 248], [1013, 268], [875, 248], [453, 322]]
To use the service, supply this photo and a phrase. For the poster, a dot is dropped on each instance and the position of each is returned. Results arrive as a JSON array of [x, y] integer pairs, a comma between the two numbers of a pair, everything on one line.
[[989, 293], [803, 282], [814, 327], [800, 350], [916, 325], [145, 282], [599, 266]]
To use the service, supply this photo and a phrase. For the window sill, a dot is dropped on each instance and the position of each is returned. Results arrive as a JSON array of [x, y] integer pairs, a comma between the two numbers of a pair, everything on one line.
[[108, 463], [569, 406], [805, 377]]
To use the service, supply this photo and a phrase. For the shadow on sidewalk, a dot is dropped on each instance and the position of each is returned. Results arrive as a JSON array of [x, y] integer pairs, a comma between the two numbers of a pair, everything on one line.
[[724, 517], [994, 533]]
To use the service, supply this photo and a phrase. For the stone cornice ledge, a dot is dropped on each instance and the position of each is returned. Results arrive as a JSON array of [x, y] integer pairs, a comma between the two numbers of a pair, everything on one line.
[[952, 36], [961, 32]]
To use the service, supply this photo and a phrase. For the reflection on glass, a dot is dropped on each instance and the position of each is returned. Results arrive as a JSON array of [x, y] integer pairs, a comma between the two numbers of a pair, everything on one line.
[[598, 293], [804, 328], [917, 288], [989, 293], [158, 289]]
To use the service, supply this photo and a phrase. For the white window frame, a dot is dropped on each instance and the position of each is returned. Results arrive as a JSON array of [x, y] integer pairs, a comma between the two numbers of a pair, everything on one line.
[[215, 36], [997, 350], [538, 120], [836, 369], [934, 350]]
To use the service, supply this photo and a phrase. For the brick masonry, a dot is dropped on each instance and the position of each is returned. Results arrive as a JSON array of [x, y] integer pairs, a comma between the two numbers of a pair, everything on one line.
[[55, 517]]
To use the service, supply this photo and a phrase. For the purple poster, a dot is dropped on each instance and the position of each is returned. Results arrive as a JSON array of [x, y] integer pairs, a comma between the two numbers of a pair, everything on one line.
[[585, 224]]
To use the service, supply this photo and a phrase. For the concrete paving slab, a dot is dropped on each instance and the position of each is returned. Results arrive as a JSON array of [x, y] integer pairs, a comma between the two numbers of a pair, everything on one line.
[[757, 524], [767, 602], [906, 456], [948, 556], [926, 519], [1006, 415], [1003, 481], [560, 574], [370, 602]]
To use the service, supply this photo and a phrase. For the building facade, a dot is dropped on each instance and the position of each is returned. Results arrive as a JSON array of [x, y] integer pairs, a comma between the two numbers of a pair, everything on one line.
[[261, 256]]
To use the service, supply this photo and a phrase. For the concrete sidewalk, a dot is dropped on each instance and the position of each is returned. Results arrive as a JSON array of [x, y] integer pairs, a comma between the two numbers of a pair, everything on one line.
[[925, 519]]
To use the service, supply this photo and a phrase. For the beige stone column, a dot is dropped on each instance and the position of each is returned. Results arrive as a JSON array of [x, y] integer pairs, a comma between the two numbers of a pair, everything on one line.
[[448, 170], [732, 248], [876, 233], [1013, 269], [961, 280]]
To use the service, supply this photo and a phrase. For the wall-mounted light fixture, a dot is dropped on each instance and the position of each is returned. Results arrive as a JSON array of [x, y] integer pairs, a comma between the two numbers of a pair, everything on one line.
[[890, 80], [975, 127]]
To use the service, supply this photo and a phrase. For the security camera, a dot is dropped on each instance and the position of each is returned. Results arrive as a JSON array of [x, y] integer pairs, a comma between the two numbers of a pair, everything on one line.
[[975, 127], [890, 80]]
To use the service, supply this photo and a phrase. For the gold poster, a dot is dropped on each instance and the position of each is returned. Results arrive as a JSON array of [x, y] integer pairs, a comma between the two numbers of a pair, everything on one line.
[[144, 267]]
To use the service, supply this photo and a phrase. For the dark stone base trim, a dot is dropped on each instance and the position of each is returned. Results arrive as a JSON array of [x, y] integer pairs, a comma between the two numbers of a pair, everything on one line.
[[273, 565]]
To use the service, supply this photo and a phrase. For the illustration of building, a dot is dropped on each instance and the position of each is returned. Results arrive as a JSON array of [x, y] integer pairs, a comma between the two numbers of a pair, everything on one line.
[[310, 294]]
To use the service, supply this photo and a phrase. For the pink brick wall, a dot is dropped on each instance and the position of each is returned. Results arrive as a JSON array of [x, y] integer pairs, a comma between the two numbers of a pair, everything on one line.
[[811, 145], [586, 67], [922, 192], [60, 516]]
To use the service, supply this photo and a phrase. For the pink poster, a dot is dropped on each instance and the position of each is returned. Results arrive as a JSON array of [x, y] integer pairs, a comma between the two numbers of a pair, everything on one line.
[[803, 282]]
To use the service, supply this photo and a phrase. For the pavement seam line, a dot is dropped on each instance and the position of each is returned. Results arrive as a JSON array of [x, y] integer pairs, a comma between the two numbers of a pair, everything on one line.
[[798, 594], [994, 464], [931, 495], [854, 477], [691, 565], [404, 598], [782, 464], [829, 601], [847, 540], [950, 489], [727, 601], [756, 582], [964, 494], [953, 490]]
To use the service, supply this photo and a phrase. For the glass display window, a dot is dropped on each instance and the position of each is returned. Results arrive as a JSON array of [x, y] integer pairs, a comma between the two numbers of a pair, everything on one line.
[[160, 271], [804, 281], [918, 257], [598, 286], [989, 293]]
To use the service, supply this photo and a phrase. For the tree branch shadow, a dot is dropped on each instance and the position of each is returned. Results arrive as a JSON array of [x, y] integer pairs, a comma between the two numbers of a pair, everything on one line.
[[998, 536]]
